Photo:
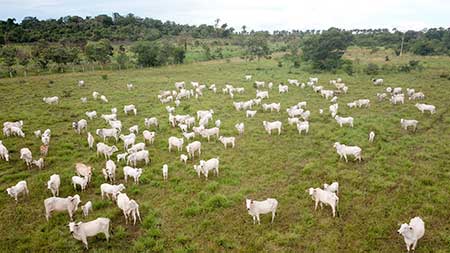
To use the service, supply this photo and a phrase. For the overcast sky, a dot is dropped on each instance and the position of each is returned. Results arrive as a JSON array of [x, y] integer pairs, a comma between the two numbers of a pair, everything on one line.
[[255, 14]]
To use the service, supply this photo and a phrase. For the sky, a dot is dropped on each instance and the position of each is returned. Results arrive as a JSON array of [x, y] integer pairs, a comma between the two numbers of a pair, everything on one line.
[[267, 15]]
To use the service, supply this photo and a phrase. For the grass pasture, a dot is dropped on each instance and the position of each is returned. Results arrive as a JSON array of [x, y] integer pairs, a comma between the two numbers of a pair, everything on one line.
[[403, 174]]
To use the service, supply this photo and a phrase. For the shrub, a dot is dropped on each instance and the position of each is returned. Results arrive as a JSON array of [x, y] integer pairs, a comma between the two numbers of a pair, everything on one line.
[[105, 77], [372, 69], [216, 202], [347, 67]]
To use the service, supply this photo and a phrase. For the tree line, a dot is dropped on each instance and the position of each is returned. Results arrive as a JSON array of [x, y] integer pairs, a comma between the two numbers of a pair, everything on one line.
[[100, 53], [75, 29]]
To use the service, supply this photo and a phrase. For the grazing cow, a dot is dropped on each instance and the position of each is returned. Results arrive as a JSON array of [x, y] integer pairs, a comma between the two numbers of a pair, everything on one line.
[[25, 154], [255, 208], [4, 153], [53, 184], [69, 204], [82, 230], [20, 187], [324, 197], [84, 170], [86, 208]]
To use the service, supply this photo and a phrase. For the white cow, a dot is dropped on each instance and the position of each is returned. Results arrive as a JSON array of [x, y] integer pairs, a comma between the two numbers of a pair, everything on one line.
[[106, 150], [91, 114], [255, 208], [378, 81], [129, 108], [20, 187], [108, 133], [165, 172], [240, 127], [405, 123], [135, 173], [227, 140], [324, 197], [82, 169], [206, 166], [142, 155], [25, 154], [344, 150], [80, 125], [51, 100], [82, 230], [175, 142], [344, 120], [269, 126], [82, 181], [86, 208], [371, 136], [192, 147], [425, 107], [53, 184], [90, 140], [69, 204], [149, 136], [412, 232], [4, 153], [111, 190], [109, 172], [303, 126]]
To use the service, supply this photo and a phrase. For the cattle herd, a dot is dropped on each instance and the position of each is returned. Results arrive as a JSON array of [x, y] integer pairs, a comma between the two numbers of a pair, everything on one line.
[[135, 153]]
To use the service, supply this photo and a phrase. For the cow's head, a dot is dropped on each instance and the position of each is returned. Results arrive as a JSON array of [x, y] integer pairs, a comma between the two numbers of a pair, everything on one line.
[[404, 228], [73, 227], [248, 203]]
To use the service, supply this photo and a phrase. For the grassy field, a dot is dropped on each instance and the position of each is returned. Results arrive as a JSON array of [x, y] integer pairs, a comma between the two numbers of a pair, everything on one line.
[[403, 174]]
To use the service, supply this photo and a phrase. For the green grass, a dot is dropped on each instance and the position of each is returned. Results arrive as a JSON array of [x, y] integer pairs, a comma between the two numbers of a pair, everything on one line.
[[403, 174]]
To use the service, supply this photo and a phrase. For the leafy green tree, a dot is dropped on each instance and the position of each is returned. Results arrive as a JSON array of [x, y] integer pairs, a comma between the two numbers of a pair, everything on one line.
[[99, 52], [179, 55], [41, 54], [146, 53], [325, 50], [8, 54], [257, 46], [207, 51], [24, 58], [122, 57], [293, 54]]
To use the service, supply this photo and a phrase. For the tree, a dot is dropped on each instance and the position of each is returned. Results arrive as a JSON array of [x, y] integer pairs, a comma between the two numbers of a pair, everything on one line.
[[325, 50], [257, 46], [100, 51], [41, 55], [207, 51], [147, 53], [24, 59], [122, 57], [8, 54], [293, 56], [243, 29], [179, 55]]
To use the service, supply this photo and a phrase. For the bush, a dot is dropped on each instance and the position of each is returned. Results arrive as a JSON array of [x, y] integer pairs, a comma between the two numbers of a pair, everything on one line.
[[372, 69], [105, 77], [347, 67], [216, 202]]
